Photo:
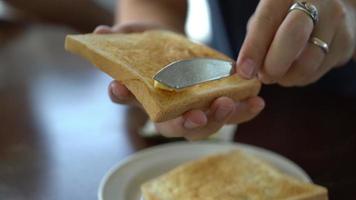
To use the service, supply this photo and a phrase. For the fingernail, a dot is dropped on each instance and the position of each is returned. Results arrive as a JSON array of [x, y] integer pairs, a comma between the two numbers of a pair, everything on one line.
[[258, 107], [222, 113], [247, 68], [116, 92], [102, 29], [190, 125]]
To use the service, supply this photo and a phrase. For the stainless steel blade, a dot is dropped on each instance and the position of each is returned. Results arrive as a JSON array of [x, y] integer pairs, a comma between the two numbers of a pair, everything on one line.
[[186, 73]]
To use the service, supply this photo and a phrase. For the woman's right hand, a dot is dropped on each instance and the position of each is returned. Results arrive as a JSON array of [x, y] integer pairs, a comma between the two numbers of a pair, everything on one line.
[[194, 124]]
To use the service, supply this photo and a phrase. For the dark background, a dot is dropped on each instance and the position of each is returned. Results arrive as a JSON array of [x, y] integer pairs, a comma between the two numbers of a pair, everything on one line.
[[59, 132]]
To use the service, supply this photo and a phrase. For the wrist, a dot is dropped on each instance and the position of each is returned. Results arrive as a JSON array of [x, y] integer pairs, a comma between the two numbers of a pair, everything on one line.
[[143, 25], [167, 15]]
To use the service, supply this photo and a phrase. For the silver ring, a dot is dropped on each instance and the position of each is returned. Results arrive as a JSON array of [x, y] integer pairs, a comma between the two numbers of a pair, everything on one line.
[[307, 8], [320, 43]]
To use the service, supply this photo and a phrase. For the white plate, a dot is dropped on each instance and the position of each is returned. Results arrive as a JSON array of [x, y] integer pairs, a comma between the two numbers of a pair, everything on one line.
[[123, 181]]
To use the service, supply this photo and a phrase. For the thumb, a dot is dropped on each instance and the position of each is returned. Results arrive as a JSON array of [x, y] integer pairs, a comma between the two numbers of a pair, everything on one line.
[[102, 29], [135, 27]]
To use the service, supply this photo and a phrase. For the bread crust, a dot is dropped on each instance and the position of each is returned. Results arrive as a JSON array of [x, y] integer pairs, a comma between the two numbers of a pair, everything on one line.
[[134, 59]]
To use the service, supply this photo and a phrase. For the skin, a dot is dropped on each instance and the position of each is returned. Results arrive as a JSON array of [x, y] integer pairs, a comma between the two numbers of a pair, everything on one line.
[[275, 49], [194, 124]]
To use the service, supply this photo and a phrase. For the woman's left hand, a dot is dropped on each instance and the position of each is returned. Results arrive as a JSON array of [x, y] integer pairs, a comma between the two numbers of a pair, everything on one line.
[[277, 46]]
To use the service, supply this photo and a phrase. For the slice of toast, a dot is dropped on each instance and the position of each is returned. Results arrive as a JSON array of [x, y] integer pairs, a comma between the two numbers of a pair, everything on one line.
[[135, 58], [233, 175]]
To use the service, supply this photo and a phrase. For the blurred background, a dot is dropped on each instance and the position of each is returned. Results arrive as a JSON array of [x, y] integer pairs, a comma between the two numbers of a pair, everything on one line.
[[59, 132]]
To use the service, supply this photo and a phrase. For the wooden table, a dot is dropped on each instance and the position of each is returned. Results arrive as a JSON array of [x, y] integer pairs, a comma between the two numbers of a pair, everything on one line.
[[59, 132]]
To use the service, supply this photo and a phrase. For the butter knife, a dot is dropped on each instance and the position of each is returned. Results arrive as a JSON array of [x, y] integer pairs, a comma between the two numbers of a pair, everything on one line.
[[186, 73]]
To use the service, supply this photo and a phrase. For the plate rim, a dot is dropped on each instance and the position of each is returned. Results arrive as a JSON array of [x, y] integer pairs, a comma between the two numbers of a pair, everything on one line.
[[136, 155]]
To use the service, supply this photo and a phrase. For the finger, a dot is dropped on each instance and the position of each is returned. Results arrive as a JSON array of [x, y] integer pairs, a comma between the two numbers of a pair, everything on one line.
[[288, 43], [134, 27], [120, 94], [219, 113], [260, 33], [195, 124], [171, 128], [194, 119], [221, 109], [326, 66], [180, 126], [103, 29], [265, 78], [246, 110], [343, 44], [341, 50], [312, 57]]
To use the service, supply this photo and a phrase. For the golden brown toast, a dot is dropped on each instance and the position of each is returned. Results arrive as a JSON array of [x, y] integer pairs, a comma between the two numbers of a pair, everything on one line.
[[229, 176], [135, 58]]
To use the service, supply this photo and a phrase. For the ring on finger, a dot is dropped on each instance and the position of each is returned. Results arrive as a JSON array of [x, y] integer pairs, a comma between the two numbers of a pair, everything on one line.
[[320, 43], [307, 8]]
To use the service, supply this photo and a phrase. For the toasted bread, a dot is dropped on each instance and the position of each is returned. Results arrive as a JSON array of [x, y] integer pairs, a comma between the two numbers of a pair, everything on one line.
[[233, 175], [135, 58]]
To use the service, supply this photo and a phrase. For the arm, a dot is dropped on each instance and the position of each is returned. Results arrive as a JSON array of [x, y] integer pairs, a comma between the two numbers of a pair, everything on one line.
[[168, 14], [277, 45], [82, 15], [141, 15]]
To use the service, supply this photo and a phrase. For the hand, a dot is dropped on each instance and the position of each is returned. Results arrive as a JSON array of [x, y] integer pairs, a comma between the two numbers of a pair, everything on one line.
[[277, 47], [194, 124]]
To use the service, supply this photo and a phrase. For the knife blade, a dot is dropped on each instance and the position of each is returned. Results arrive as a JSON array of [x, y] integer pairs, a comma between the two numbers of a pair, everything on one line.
[[185, 73]]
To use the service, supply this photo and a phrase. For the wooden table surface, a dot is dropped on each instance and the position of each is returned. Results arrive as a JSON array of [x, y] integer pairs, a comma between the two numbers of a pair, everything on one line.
[[59, 132]]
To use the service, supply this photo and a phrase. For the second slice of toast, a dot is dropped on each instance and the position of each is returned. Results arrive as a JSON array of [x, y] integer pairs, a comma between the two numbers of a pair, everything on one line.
[[234, 175], [134, 59]]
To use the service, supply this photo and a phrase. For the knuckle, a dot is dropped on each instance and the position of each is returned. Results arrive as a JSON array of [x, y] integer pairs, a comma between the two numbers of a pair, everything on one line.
[[306, 69], [265, 19], [264, 77], [273, 75], [340, 10], [274, 71], [293, 81]]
